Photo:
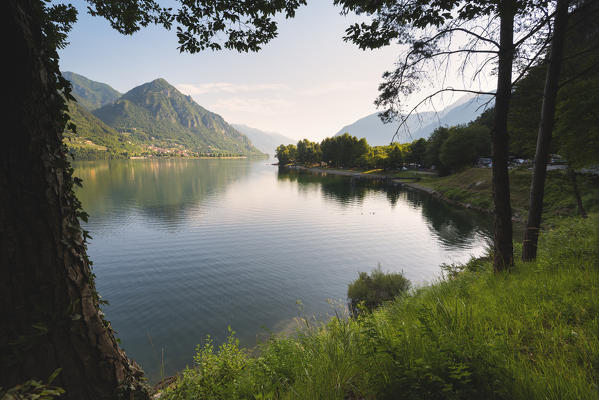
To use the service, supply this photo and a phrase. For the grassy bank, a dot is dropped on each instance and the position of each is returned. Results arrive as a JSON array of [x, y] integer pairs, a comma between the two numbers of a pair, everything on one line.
[[473, 186], [529, 334]]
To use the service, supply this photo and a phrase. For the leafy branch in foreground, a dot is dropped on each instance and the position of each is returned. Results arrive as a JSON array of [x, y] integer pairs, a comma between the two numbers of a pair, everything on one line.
[[242, 25]]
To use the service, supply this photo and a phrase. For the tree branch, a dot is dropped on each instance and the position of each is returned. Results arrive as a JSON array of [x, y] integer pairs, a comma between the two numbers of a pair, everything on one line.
[[530, 63], [479, 37], [534, 31], [428, 98]]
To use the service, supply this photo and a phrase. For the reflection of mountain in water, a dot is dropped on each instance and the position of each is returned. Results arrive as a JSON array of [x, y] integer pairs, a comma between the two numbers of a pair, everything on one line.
[[165, 190], [454, 226]]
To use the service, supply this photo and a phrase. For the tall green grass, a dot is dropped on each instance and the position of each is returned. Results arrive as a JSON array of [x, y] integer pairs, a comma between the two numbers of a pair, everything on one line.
[[529, 334]]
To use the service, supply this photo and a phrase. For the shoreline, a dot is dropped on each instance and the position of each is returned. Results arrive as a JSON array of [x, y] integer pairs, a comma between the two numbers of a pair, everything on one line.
[[410, 183], [172, 158]]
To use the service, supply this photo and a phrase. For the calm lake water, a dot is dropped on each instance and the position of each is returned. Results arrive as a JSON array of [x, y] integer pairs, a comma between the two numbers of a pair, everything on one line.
[[185, 248]]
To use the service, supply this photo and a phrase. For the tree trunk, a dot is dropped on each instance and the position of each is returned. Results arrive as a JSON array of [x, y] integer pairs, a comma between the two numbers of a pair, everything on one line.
[[503, 252], [49, 307], [537, 187], [572, 176]]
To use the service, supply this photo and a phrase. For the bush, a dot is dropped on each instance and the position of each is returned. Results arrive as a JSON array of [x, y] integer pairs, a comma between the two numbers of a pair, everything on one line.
[[374, 289]]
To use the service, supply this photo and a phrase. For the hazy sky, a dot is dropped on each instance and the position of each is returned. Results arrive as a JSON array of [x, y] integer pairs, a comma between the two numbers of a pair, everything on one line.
[[307, 82]]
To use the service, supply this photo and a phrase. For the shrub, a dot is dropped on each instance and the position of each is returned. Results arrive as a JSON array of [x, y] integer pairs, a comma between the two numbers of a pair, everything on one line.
[[216, 373], [374, 289]]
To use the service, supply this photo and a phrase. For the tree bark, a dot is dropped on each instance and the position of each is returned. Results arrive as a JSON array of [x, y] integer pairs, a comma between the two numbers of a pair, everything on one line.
[[48, 304], [503, 252], [537, 187]]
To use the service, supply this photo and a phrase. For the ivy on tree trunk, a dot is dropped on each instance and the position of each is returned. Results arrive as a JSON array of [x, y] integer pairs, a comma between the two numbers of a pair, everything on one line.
[[49, 306]]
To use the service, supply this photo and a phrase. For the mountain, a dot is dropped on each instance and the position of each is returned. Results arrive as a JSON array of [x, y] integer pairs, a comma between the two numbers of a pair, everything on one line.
[[157, 112], [418, 125], [377, 134], [90, 94], [466, 109], [266, 142], [94, 139]]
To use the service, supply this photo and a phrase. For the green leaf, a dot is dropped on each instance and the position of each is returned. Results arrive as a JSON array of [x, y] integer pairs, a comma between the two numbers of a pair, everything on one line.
[[54, 375]]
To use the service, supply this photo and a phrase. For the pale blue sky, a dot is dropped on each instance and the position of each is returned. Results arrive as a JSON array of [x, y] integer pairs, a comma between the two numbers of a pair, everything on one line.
[[305, 83]]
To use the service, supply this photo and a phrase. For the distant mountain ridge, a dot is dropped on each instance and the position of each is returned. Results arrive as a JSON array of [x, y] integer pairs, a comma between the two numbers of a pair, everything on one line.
[[155, 118], [91, 94], [418, 125], [267, 142]]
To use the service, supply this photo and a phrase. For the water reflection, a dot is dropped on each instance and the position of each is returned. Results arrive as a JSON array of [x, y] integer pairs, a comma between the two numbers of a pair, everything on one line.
[[453, 226], [165, 190], [184, 248], [340, 189]]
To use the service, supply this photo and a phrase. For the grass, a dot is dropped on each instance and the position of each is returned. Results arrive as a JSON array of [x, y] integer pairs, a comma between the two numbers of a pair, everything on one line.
[[473, 186], [529, 334]]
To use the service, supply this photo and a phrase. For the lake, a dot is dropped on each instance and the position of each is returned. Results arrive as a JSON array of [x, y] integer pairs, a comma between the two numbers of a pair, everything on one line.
[[184, 248]]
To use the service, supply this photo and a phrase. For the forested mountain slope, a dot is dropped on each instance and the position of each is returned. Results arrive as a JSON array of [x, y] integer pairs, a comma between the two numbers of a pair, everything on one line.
[[156, 111], [91, 94]]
